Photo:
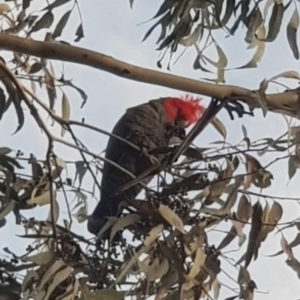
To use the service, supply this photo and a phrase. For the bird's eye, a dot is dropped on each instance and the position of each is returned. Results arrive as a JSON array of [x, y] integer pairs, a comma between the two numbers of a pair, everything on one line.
[[179, 132]]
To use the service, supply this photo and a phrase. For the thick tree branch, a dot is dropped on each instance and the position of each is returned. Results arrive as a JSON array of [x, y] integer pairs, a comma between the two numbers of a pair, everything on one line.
[[286, 102]]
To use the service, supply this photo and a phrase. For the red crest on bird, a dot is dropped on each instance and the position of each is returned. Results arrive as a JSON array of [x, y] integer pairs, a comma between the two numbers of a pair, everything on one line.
[[186, 108]]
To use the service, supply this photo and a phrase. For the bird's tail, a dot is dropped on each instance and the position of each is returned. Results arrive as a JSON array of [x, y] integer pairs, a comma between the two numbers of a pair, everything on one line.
[[107, 207]]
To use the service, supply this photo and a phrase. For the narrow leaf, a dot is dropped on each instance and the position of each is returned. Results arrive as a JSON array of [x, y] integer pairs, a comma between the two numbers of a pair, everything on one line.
[[44, 22], [58, 278], [36, 67], [81, 169], [5, 150], [65, 112], [79, 33], [25, 4], [287, 74], [153, 235], [293, 165], [41, 258], [7, 209], [291, 32], [253, 244], [197, 265], [171, 217], [61, 25], [275, 22], [219, 126], [122, 223], [56, 4]]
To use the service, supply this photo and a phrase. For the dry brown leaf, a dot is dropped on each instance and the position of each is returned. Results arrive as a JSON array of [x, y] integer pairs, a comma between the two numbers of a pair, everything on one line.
[[171, 217], [68, 294], [106, 294], [58, 265], [253, 244], [217, 189], [4, 8], [244, 210], [198, 263], [191, 39], [111, 221], [220, 127], [7, 209], [41, 258], [154, 269], [59, 277], [153, 234], [287, 74], [122, 223], [194, 239], [252, 166], [30, 275], [286, 248], [260, 50], [216, 286], [43, 199], [271, 215]]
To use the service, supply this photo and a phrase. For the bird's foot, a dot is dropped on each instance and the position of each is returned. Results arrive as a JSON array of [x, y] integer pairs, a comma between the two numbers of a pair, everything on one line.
[[154, 160]]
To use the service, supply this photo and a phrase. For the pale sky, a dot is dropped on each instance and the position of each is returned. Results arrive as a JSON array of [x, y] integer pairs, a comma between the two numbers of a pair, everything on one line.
[[111, 27]]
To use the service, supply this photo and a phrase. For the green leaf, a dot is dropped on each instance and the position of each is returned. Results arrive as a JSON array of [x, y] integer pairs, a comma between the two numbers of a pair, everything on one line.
[[2, 103], [275, 22], [14, 98], [293, 166], [7, 209], [14, 162], [79, 90], [5, 150], [25, 4], [56, 4], [36, 169], [81, 169], [291, 32], [79, 33], [61, 25], [44, 22], [36, 67]]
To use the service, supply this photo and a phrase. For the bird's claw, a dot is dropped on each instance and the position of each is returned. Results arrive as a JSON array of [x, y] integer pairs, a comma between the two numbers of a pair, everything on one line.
[[154, 160]]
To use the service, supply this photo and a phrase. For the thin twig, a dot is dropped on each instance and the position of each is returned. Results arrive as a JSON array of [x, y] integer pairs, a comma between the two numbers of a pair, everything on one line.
[[65, 122], [84, 158]]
